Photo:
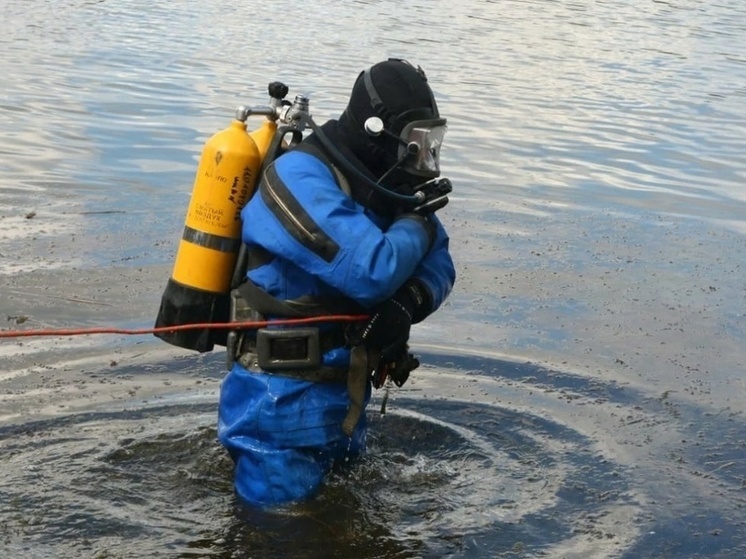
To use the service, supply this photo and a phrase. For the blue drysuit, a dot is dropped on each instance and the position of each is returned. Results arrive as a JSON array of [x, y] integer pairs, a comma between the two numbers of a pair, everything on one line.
[[285, 433]]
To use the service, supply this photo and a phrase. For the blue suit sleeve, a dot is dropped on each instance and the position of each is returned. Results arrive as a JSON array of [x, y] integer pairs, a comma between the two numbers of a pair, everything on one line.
[[308, 220], [436, 270]]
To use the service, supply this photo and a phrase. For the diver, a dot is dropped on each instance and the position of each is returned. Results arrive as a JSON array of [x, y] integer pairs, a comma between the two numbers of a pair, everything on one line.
[[332, 229]]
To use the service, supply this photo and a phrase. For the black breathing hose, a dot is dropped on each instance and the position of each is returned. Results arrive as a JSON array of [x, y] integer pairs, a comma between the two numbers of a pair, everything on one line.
[[414, 200]]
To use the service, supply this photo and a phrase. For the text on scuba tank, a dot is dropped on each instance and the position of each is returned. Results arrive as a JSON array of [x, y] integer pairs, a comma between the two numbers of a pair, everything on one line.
[[240, 191], [218, 178], [207, 214]]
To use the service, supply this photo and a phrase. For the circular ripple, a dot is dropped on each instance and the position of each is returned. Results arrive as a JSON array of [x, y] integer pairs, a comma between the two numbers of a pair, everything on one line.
[[476, 457]]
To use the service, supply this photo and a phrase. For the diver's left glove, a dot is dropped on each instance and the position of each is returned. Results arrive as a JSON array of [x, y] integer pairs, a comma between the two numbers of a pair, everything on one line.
[[397, 368], [388, 329]]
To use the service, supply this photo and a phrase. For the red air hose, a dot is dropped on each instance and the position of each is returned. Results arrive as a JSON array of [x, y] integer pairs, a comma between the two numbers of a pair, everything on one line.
[[217, 326]]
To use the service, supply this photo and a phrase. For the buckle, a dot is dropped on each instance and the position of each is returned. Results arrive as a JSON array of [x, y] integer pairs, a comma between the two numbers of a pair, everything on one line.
[[296, 348], [240, 311]]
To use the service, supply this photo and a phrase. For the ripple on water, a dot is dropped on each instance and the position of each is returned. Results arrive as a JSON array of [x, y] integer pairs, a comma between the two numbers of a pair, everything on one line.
[[479, 457]]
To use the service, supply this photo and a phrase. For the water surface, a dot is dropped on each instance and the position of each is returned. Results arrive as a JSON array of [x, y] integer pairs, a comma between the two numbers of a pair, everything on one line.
[[582, 390]]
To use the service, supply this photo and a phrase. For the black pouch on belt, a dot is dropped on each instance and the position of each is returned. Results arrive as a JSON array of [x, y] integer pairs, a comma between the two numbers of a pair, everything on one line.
[[296, 348]]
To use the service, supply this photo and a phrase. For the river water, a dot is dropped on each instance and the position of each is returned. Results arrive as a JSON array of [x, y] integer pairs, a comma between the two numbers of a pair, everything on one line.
[[582, 392]]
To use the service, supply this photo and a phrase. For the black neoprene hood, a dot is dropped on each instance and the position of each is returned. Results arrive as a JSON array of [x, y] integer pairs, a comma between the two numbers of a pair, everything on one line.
[[393, 90]]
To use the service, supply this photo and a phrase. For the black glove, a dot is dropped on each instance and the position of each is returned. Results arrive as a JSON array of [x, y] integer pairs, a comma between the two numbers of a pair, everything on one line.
[[397, 368], [388, 329], [435, 196]]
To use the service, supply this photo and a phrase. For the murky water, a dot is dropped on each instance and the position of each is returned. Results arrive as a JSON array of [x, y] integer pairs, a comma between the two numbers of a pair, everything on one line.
[[582, 392]]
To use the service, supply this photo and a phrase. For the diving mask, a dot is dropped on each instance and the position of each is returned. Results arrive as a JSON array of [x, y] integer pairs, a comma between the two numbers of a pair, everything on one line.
[[420, 143]]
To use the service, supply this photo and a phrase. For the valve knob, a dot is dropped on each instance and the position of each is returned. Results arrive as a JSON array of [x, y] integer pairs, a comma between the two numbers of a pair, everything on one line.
[[278, 90]]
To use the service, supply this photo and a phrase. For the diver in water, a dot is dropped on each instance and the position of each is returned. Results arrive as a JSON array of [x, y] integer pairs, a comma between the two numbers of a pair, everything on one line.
[[333, 229]]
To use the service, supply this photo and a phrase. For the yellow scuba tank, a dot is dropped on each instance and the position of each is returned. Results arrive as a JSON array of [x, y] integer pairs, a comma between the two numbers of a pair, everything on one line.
[[263, 136], [198, 290]]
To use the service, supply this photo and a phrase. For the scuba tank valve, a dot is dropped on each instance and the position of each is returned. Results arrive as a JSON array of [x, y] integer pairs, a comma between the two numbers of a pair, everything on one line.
[[263, 136]]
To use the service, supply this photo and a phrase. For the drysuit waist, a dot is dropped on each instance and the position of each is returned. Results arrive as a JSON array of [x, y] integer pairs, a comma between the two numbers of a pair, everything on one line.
[[295, 350], [249, 361]]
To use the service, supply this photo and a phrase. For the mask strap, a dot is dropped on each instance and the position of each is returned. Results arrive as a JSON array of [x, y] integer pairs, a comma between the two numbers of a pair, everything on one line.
[[375, 99]]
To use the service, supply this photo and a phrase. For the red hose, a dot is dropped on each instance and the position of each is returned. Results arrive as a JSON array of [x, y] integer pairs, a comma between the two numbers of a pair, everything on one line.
[[200, 326]]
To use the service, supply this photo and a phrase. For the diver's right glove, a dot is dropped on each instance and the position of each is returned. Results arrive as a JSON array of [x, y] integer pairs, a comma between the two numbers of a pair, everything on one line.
[[434, 196]]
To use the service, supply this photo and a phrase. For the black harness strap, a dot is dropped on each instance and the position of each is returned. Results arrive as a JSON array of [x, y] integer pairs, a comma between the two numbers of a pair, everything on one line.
[[302, 307]]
